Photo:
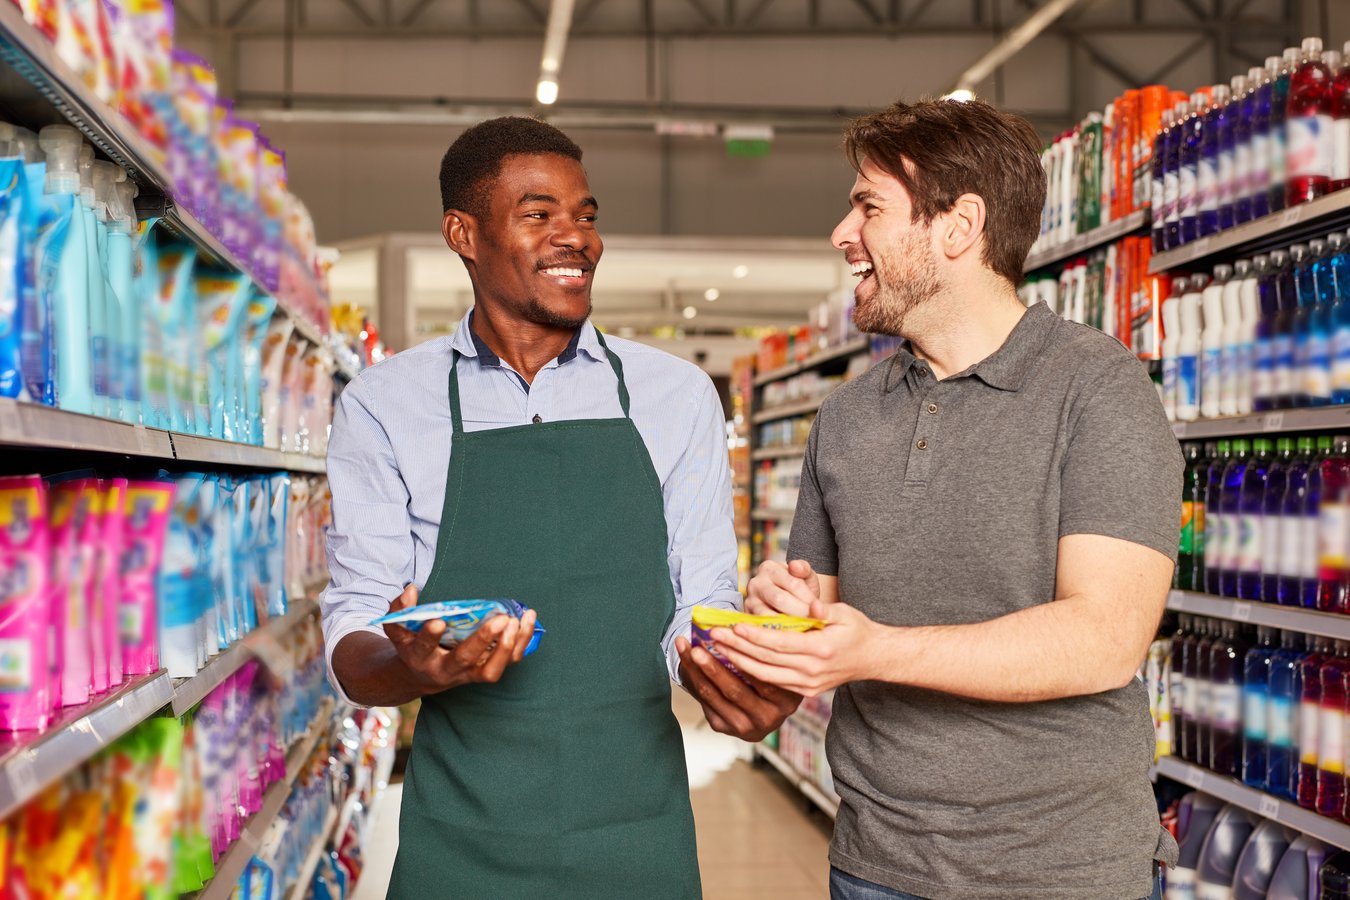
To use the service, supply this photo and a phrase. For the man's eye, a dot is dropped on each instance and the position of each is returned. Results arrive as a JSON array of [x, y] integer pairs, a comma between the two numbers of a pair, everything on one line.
[[590, 219], [536, 215]]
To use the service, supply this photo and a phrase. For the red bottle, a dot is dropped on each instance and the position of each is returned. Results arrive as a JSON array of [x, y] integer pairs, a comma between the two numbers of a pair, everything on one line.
[[1309, 123], [1340, 110], [1309, 723], [1333, 531], [1331, 734]]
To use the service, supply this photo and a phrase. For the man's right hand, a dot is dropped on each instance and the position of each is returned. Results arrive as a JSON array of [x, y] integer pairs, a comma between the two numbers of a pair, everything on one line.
[[482, 657], [791, 590]]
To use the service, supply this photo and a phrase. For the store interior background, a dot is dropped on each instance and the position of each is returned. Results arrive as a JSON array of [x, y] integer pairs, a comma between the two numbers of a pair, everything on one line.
[[365, 96]]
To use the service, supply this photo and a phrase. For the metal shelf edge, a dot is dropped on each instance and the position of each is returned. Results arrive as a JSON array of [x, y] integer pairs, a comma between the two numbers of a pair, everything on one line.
[[1266, 805], [311, 864], [1307, 621], [1251, 232], [1088, 241], [1287, 420], [776, 453], [786, 411], [28, 769], [800, 781], [771, 515], [848, 348]]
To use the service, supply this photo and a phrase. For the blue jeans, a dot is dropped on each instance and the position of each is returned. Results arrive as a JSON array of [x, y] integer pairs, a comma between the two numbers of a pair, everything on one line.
[[844, 886]]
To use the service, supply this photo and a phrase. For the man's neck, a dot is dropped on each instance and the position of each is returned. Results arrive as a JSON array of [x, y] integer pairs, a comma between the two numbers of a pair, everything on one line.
[[524, 346], [965, 324]]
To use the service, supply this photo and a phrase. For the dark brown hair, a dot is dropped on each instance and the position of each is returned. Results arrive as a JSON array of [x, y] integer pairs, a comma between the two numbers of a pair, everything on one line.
[[474, 160], [941, 149]]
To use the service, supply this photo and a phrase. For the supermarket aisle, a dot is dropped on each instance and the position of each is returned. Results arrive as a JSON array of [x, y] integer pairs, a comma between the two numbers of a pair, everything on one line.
[[755, 837]]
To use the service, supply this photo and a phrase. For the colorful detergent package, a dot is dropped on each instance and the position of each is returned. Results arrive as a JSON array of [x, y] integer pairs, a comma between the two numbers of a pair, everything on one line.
[[461, 617], [706, 618]]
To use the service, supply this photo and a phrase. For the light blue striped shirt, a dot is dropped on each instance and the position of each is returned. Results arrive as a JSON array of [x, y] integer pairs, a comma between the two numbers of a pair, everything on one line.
[[390, 449]]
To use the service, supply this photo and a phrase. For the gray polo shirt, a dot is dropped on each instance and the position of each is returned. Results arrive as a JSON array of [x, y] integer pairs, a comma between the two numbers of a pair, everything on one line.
[[942, 502]]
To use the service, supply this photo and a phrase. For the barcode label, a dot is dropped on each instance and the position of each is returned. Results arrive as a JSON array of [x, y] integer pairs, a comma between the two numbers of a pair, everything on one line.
[[1242, 612], [1269, 807], [1273, 422], [1291, 216], [1195, 777]]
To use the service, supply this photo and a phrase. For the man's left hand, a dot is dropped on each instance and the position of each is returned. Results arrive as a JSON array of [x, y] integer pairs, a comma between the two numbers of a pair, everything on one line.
[[849, 648], [749, 710]]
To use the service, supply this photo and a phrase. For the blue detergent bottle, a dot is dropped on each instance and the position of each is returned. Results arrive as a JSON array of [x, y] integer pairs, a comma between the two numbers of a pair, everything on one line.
[[1233, 178], [1251, 527], [1195, 815], [1305, 300], [1281, 281], [1284, 690], [1172, 177], [1272, 520], [1338, 272], [1255, 711], [1322, 325], [1292, 528], [1263, 363], [1158, 191], [1210, 184]]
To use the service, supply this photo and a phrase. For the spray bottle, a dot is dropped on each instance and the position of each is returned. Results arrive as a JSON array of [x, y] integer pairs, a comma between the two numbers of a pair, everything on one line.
[[70, 316], [104, 179], [1212, 343], [1211, 186], [1230, 361], [1310, 131], [122, 277]]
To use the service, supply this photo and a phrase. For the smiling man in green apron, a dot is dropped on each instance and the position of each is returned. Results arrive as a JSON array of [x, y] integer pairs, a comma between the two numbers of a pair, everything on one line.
[[528, 456]]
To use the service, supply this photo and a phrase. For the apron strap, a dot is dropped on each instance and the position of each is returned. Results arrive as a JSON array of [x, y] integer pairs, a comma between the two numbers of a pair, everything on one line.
[[457, 418]]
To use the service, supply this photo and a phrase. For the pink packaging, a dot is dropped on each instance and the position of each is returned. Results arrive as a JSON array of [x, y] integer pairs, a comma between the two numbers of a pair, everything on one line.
[[71, 566], [25, 669], [109, 582], [147, 507], [89, 546]]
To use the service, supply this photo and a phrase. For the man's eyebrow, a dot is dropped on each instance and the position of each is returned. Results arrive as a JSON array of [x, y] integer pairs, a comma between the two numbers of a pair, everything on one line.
[[865, 195], [591, 202], [537, 198]]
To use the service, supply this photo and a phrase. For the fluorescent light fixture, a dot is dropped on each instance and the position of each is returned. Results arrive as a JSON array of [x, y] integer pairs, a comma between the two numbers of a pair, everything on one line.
[[547, 92], [555, 44], [960, 95], [690, 312], [711, 294], [740, 272]]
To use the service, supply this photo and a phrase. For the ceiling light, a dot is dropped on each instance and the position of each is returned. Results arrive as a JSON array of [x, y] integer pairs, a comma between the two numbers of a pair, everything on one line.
[[711, 294], [960, 95], [740, 272], [690, 312], [547, 92]]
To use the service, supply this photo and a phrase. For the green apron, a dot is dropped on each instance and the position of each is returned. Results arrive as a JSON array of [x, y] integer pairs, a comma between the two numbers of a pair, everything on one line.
[[567, 777]]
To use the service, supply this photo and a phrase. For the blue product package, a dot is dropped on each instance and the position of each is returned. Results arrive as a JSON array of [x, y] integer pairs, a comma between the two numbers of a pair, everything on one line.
[[179, 605], [274, 555], [461, 617], [12, 253], [35, 337], [241, 559]]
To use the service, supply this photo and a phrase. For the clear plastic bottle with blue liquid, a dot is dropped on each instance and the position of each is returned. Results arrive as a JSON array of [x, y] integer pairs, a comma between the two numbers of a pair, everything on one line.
[[1285, 352], [1263, 362], [1210, 186], [1262, 99], [1337, 273], [1234, 476], [1321, 326], [1192, 139], [1284, 690], [1255, 708], [1294, 556]]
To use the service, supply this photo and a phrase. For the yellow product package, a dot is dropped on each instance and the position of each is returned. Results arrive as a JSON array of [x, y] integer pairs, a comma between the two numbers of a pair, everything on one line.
[[706, 618]]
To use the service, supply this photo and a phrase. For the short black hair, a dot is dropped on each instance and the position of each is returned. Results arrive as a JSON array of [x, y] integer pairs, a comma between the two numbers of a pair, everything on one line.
[[475, 158]]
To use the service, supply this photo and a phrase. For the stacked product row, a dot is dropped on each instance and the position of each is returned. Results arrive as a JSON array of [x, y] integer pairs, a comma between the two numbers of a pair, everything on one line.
[[831, 325], [152, 815], [800, 741], [1268, 333], [110, 579], [107, 316], [777, 484], [1274, 138]]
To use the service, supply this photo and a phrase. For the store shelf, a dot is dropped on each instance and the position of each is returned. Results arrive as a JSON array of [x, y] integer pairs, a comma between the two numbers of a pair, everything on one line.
[[1307, 621], [43, 427], [772, 515], [311, 864], [1091, 240], [786, 411], [257, 644], [1232, 791], [233, 863], [1323, 418], [213, 450], [31, 762], [777, 453], [807, 786], [345, 369], [1278, 229], [816, 359]]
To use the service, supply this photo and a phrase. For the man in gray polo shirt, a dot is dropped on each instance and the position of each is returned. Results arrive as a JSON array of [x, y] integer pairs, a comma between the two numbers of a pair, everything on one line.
[[988, 521]]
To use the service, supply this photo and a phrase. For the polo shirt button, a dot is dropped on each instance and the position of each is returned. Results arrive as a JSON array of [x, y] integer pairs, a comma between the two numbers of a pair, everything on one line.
[[923, 373], [932, 409], [921, 444], [537, 419]]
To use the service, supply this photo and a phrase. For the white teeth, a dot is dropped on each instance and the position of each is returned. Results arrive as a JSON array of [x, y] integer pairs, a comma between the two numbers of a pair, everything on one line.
[[861, 267], [558, 270]]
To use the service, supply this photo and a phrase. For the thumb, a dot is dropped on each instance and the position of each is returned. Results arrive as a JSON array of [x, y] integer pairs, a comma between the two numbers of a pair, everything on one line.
[[405, 600], [800, 568]]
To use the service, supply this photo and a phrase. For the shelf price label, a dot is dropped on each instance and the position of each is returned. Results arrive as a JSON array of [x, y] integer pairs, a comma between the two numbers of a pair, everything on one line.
[[1268, 807], [1291, 216], [1273, 422], [1242, 612], [1195, 777]]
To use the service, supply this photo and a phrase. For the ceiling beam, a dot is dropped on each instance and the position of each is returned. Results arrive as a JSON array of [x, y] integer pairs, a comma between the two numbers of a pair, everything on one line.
[[413, 14], [357, 10]]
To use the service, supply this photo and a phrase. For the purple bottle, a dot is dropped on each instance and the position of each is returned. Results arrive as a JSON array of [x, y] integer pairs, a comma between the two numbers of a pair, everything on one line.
[[1216, 166], [1309, 584], [1172, 178], [1251, 528], [1216, 528], [1192, 137], [1231, 507], [1272, 519], [1293, 530]]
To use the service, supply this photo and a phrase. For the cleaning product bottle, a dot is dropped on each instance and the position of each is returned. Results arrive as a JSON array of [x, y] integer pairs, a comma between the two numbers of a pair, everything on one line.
[[1195, 816], [1230, 304], [1294, 877], [1335, 877], [122, 277], [1215, 520], [1226, 659], [1312, 524], [1225, 122], [1262, 98], [1182, 727], [1212, 343], [1249, 302], [1309, 118], [1203, 694], [1219, 855], [1321, 323], [1283, 698], [96, 293], [1243, 116], [1188, 351], [70, 319], [1210, 186], [1285, 370], [1158, 196], [1334, 528], [1251, 527], [1272, 520], [1232, 508], [1263, 364], [1172, 177], [1255, 707], [104, 179], [1338, 254], [1331, 732], [1193, 135], [1310, 723], [1301, 321], [1279, 133], [1256, 865], [1340, 111], [1189, 572], [1293, 508], [1171, 347]]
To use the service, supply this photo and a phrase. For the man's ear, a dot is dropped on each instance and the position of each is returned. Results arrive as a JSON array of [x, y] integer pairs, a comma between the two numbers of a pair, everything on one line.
[[962, 225], [460, 230]]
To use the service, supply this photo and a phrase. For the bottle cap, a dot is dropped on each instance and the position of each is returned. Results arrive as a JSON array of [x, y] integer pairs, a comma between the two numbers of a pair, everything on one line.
[[1263, 445], [1284, 443], [1255, 75], [105, 177], [1298, 252], [1292, 55], [1316, 247], [1324, 442], [1222, 272], [1312, 47], [87, 176], [1226, 446], [1242, 445], [1242, 268], [1199, 282], [1199, 101], [1332, 60], [1220, 94], [1306, 443], [1278, 258], [61, 144], [1273, 65], [1336, 240]]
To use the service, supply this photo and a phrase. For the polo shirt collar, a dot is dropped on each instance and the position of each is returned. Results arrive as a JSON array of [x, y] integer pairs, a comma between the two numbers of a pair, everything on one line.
[[1005, 369], [467, 342]]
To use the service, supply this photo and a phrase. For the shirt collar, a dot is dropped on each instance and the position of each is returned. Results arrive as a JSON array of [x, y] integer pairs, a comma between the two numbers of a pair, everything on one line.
[[469, 344], [1007, 367]]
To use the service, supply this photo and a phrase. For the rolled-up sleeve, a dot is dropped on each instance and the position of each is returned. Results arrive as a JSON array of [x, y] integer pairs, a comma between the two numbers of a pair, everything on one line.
[[702, 535], [370, 542]]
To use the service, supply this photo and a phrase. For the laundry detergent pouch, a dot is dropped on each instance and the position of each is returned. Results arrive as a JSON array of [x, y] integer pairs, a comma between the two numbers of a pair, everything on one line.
[[47, 230], [274, 348], [109, 583], [179, 585], [292, 399], [223, 569], [254, 332], [222, 301], [158, 752], [461, 617], [90, 542], [13, 250], [706, 618], [148, 506], [243, 557], [173, 319], [274, 544], [25, 669], [156, 405], [72, 569]]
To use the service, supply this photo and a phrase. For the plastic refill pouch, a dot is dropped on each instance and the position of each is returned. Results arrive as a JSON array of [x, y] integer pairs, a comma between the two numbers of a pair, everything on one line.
[[72, 566], [222, 301], [109, 583], [47, 229], [25, 670], [274, 555], [155, 406], [214, 544], [461, 617], [90, 543], [292, 394], [273, 361], [178, 611], [171, 327], [67, 282], [243, 611], [706, 618], [13, 249], [256, 319], [158, 814], [148, 506]]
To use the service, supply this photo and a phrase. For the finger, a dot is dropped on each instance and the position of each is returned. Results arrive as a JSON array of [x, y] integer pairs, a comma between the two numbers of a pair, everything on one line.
[[404, 600], [718, 723], [780, 698], [526, 635], [786, 677], [472, 648], [428, 639], [707, 688], [497, 660], [759, 642], [800, 568], [400, 636]]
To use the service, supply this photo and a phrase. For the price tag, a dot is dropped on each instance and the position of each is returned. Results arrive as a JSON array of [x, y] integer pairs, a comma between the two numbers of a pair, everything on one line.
[[23, 781], [1195, 777], [9, 417], [1242, 612], [1273, 422], [1201, 247], [1179, 429], [1269, 807], [1178, 601], [1291, 216]]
